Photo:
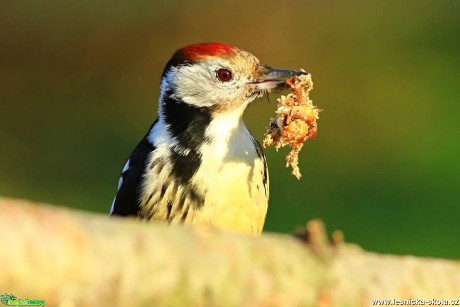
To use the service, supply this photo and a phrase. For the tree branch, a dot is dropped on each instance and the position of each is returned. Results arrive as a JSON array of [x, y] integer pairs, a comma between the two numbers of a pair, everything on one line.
[[73, 258]]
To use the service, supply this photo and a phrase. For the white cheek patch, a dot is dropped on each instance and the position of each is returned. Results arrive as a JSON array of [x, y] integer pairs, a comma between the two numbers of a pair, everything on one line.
[[198, 85], [194, 85]]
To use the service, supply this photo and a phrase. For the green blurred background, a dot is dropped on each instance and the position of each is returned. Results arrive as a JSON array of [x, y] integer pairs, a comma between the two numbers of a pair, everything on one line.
[[79, 83]]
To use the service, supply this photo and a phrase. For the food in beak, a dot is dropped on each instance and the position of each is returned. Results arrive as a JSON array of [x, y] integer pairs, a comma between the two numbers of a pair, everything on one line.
[[295, 120]]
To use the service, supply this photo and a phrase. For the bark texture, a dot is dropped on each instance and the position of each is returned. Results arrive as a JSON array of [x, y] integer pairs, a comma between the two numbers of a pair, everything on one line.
[[74, 258]]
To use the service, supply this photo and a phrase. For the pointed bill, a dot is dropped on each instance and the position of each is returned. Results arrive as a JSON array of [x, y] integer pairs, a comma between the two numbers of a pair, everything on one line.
[[273, 78]]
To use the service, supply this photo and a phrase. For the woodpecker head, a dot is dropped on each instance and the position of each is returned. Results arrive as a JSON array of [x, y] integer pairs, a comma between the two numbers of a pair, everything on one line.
[[218, 77]]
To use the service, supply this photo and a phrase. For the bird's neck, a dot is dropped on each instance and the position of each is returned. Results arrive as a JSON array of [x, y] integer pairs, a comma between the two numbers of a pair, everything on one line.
[[191, 126], [185, 123]]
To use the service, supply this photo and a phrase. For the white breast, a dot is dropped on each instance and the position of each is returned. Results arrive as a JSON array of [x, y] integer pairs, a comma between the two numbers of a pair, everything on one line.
[[231, 176]]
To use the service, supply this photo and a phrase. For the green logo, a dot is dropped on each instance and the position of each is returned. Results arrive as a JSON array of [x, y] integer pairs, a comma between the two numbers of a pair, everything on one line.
[[11, 300]]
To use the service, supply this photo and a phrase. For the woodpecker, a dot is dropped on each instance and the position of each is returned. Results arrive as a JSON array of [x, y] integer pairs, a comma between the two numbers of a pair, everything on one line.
[[198, 164]]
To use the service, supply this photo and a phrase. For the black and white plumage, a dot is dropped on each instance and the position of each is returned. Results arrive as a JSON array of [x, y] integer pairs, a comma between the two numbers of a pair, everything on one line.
[[198, 163]]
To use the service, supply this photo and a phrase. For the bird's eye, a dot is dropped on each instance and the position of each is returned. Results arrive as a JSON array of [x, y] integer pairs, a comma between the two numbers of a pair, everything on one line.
[[224, 75]]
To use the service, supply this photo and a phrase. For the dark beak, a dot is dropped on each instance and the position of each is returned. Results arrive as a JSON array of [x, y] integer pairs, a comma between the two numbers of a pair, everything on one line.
[[273, 78]]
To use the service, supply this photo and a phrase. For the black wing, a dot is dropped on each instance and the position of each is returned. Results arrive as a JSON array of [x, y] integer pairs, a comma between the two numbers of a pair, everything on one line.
[[127, 200]]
